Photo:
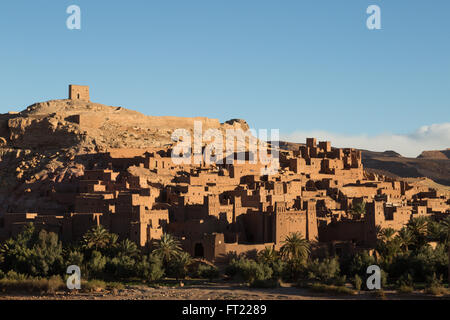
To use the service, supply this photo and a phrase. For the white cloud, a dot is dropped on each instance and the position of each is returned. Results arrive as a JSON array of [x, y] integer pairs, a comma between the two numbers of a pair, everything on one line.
[[433, 137]]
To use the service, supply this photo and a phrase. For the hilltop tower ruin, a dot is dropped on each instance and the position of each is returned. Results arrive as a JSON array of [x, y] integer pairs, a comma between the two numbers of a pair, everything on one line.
[[78, 92]]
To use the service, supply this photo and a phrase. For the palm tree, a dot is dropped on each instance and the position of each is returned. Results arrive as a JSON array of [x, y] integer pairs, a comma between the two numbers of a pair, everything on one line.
[[406, 238], [128, 248], [167, 248], [419, 225], [98, 238], [113, 238], [378, 231], [387, 234], [4, 249], [268, 255], [419, 229], [295, 247], [442, 231], [184, 259], [387, 246]]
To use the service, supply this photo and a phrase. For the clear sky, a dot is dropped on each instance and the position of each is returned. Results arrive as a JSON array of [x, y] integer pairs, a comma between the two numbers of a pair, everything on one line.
[[302, 66]]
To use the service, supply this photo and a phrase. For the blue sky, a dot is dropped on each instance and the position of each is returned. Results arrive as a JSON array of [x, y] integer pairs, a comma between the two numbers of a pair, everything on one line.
[[301, 66]]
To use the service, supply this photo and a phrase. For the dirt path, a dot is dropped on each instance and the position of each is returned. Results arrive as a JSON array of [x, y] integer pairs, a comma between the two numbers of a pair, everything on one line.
[[209, 292]]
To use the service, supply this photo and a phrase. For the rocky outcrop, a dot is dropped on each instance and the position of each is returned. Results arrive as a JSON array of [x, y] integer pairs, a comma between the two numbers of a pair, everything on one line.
[[238, 123]]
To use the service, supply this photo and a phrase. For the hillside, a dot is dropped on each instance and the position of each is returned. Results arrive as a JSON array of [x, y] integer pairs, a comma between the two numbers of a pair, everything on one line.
[[55, 141], [436, 169], [435, 154]]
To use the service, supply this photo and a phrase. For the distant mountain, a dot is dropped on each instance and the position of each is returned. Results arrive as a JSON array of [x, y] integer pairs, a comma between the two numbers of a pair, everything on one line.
[[435, 154], [434, 165], [434, 168]]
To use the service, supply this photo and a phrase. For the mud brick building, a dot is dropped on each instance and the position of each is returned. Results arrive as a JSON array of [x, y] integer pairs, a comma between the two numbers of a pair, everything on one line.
[[221, 208]]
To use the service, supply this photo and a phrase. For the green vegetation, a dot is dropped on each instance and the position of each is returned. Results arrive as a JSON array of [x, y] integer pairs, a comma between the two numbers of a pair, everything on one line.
[[326, 271], [20, 283], [357, 282], [36, 262], [333, 289], [249, 270], [205, 271], [406, 256], [359, 209]]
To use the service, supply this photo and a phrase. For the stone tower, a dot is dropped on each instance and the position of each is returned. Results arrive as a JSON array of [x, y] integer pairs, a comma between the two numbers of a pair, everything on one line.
[[78, 92]]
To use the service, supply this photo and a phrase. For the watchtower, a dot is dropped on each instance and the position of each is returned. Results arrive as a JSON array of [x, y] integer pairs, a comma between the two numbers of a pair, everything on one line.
[[78, 92]]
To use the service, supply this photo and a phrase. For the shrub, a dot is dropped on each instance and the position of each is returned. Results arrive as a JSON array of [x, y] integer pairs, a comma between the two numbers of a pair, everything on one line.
[[333, 289], [400, 265], [405, 281], [121, 267], [46, 255], [295, 270], [384, 278], [96, 264], [358, 264], [436, 291], [148, 268], [205, 271], [115, 286], [326, 270], [357, 282], [93, 286], [32, 253], [270, 283], [249, 270], [405, 289], [434, 281], [96, 285], [13, 275], [53, 284], [340, 280], [233, 267], [278, 268], [32, 285], [420, 263], [74, 258], [178, 266], [434, 285], [253, 271], [155, 270]]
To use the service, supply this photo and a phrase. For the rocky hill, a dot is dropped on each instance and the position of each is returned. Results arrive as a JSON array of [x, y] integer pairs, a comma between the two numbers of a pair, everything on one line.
[[435, 154], [55, 141], [436, 169]]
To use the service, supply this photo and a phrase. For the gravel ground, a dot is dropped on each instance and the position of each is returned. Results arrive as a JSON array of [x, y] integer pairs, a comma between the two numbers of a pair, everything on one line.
[[210, 292]]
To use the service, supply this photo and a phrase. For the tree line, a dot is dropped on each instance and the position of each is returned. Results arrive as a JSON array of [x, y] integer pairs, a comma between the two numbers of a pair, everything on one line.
[[406, 257]]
